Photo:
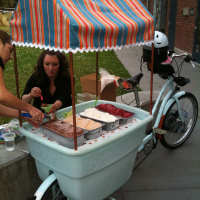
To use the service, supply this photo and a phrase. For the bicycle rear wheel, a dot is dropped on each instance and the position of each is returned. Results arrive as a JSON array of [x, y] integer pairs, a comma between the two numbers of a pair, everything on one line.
[[177, 131], [54, 192]]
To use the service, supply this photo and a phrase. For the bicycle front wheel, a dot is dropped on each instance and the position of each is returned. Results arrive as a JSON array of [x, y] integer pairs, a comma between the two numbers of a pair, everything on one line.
[[54, 192], [177, 131]]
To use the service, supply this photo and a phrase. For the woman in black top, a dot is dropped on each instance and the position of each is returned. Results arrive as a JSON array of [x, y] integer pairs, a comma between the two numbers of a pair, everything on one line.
[[10, 104], [50, 83]]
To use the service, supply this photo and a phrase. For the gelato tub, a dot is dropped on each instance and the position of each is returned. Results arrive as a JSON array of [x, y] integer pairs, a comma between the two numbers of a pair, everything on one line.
[[111, 122], [125, 116], [62, 133], [94, 129]]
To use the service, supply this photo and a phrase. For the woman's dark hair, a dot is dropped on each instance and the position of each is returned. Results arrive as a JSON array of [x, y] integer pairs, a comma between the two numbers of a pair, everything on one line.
[[5, 38], [63, 70]]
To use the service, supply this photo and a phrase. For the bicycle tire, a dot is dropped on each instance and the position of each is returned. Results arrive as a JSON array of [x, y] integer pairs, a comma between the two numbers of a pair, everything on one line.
[[178, 132], [53, 192]]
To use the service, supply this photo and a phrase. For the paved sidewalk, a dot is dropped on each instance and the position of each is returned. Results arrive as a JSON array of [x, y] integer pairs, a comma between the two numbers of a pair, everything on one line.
[[164, 174]]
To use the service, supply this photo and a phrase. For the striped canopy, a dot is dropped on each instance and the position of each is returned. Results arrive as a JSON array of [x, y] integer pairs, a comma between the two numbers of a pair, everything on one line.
[[81, 25]]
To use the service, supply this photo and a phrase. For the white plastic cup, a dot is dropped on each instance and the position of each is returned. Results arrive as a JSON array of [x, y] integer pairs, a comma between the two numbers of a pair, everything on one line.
[[9, 139]]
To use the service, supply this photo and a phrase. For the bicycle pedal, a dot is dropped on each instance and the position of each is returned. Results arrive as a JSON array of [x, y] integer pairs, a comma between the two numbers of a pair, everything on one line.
[[159, 131]]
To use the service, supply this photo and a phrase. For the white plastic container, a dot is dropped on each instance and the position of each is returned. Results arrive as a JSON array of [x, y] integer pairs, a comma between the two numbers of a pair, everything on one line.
[[93, 172]]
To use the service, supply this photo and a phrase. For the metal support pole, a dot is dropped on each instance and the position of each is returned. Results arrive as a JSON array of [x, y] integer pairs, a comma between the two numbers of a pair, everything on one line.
[[17, 81], [73, 99], [151, 85], [97, 89]]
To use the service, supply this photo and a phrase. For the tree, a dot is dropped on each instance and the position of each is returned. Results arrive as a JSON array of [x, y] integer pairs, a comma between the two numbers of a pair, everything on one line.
[[8, 3]]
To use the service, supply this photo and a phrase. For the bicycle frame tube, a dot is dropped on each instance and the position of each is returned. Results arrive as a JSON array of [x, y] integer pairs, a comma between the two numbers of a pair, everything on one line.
[[170, 84], [44, 186]]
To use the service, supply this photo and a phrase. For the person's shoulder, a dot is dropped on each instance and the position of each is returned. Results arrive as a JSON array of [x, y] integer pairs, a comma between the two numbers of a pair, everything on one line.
[[32, 77]]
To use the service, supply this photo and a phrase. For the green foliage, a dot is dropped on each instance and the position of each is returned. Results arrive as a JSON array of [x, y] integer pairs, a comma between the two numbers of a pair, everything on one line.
[[8, 3]]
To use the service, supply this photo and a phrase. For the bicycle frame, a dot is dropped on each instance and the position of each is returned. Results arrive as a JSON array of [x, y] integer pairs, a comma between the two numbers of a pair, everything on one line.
[[166, 103]]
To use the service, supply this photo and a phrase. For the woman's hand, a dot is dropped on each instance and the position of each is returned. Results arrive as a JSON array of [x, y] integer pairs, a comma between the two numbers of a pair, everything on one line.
[[44, 105], [36, 114], [32, 122], [55, 106], [53, 109], [35, 92]]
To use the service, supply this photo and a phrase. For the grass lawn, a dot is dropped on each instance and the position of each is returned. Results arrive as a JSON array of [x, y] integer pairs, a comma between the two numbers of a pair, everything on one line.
[[84, 64]]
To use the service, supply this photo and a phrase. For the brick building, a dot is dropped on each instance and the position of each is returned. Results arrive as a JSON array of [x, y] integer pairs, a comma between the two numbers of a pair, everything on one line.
[[180, 21]]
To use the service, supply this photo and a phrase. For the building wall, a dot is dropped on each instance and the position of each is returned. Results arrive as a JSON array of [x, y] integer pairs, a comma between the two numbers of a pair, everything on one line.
[[184, 38], [185, 26]]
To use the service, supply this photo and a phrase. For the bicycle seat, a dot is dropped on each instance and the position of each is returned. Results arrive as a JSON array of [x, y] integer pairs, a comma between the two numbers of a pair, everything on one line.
[[135, 80], [181, 81]]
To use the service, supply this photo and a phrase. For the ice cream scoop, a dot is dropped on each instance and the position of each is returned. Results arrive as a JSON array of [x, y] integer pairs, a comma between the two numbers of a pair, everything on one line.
[[52, 117]]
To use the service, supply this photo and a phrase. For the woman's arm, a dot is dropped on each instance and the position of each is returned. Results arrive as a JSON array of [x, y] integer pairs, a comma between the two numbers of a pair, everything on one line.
[[55, 106], [31, 90], [35, 92], [9, 112], [9, 100], [27, 98]]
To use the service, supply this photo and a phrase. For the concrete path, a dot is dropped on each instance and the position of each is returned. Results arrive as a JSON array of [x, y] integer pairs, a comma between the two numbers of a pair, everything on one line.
[[164, 174]]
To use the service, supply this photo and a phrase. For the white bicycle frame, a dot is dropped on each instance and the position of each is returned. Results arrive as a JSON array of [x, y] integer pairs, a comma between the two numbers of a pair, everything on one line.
[[166, 103], [44, 186]]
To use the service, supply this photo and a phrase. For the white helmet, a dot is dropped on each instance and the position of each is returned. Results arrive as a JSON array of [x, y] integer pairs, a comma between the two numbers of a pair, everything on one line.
[[160, 40]]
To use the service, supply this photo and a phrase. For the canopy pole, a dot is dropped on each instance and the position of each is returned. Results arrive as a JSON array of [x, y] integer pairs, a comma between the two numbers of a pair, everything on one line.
[[73, 99], [97, 61], [17, 81], [151, 85]]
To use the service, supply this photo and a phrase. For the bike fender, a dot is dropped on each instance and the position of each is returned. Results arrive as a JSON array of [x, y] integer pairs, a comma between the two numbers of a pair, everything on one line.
[[171, 100]]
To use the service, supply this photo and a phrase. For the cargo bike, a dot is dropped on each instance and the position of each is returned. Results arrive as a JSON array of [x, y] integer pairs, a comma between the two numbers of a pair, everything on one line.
[[100, 166]]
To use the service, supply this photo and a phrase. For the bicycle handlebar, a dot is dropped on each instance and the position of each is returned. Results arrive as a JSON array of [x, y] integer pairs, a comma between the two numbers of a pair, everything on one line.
[[188, 58]]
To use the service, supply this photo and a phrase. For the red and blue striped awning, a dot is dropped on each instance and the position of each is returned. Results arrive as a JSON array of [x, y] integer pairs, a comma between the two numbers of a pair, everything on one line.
[[81, 25]]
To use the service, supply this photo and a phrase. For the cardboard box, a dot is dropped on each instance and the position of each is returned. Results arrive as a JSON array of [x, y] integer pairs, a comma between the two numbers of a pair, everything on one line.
[[89, 86]]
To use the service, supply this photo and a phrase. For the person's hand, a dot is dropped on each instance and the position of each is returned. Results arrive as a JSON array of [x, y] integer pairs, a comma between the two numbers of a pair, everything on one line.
[[44, 105], [32, 122], [35, 92], [36, 114], [53, 109]]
